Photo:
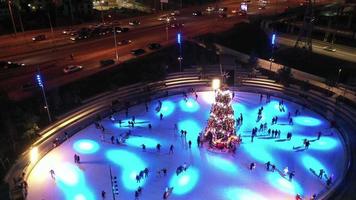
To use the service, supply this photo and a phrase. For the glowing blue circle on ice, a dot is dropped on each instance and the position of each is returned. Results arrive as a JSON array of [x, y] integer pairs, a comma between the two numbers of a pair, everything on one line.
[[241, 194], [138, 141], [223, 164], [71, 180], [189, 106], [258, 152], [324, 143], [79, 197], [86, 146], [185, 181], [306, 121], [130, 164], [310, 162], [284, 185], [191, 126], [167, 108]]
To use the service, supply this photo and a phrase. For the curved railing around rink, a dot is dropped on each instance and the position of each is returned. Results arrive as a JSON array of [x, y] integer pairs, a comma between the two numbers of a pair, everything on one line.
[[174, 84]]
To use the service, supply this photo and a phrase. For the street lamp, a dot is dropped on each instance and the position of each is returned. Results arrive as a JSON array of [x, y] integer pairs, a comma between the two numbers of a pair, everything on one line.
[[338, 76], [40, 84], [9, 3], [273, 43], [180, 58], [167, 27]]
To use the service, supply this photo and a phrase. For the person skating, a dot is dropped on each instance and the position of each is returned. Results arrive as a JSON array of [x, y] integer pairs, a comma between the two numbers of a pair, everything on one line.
[[190, 144], [103, 194], [53, 175], [158, 147], [268, 164], [143, 147], [161, 116], [171, 149], [321, 173], [252, 166], [291, 174]]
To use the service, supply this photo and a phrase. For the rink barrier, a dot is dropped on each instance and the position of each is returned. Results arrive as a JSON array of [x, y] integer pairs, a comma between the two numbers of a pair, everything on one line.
[[101, 105]]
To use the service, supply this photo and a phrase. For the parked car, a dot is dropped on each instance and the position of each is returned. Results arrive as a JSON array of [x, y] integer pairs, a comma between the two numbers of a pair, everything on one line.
[[10, 65], [72, 68], [124, 42], [124, 30], [107, 62], [134, 23], [38, 38], [154, 46], [138, 52], [197, 13]]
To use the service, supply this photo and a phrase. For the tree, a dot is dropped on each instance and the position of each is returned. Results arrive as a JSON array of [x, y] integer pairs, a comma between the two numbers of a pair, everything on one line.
[[220, 129]]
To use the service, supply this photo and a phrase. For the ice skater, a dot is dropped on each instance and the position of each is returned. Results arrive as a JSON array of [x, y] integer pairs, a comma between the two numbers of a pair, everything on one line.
[[53, 175], [171, 149]]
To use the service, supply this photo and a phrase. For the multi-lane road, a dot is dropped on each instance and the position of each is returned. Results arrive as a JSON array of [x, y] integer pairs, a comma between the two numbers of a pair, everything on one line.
[[53, 54]]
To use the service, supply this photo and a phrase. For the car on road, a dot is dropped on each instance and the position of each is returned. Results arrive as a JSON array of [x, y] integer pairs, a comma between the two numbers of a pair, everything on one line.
[[222, 10], [67, 31], [154, 46], [72, 68], [175, 13], [107, 62], [162, 17], [138, 52], [124, 30], [177, 25], [329, 48], [124, 42], [38, 38], [10, 65], [210, 9], [197, 13], [134, 23]]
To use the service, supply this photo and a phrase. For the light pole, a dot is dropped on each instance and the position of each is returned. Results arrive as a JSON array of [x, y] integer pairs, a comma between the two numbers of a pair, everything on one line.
[[116, 52], [9, 2], [167, 27], [338, 76], [101, 8], [180, 58], [40, 84], [273, 43]]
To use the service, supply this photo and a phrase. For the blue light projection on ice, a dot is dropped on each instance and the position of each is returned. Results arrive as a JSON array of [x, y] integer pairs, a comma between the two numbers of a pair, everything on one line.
[[185, 181], [167, 108], [189, 106], [284, 185], [71, 181], [306, 121], [258, 152], [235, 193], [310, 162], [86, 146], [273, 108], [221, 163], [138, 141], [192, 127], [130, 165]]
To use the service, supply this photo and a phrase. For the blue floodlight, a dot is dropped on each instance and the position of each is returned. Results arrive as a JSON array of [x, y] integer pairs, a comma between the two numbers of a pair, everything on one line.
[[179, 38], [39, 80], [273, 38]]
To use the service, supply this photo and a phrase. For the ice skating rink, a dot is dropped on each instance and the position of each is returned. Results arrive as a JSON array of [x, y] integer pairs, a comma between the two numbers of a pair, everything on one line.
[[210, 175]]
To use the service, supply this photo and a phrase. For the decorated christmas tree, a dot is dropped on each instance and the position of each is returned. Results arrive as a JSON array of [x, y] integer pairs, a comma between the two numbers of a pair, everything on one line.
[[220, 130]]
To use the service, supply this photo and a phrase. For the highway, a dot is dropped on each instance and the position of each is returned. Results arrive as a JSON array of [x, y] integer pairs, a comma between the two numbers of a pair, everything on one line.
[[341, 52], [53, 54]]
